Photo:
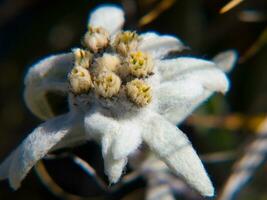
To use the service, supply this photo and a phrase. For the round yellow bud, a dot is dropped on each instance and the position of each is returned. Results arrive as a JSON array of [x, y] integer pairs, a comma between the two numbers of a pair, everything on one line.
[[96, 39], [126, 42], [80, 80], [139, 92], [107, 84], [108, 62], [139, 64], [82, 57]]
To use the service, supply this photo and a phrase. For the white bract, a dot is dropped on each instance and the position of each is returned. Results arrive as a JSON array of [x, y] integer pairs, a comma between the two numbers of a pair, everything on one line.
[[122, 93]]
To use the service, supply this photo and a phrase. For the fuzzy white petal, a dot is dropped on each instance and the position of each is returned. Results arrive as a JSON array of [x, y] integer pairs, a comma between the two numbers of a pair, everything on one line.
[[109, 17], [226, 60], [159, 45], [177, 99], [127, 140], [49, 74], [195, 81], [173, 147], [169, 69], [97, 124], [76, 135], [104, 130], [33, 148], [113, 167]]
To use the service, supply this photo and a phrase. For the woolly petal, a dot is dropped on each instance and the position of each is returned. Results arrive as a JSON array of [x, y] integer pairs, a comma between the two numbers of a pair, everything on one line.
[[226, 60], [173, 147], [176, 100], [127, 140], [194, 82], [76, 135], [33, 148], [113, 167], [104, 129], [172, 68], [109, 17], [159, 45], [49, 74], [98, 123]]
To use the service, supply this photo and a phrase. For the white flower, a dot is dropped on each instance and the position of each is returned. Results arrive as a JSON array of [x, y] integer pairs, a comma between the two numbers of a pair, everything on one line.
[[120, 108]]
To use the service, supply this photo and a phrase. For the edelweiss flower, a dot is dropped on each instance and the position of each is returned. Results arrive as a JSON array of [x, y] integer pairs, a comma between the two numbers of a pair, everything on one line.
[[121, 93]]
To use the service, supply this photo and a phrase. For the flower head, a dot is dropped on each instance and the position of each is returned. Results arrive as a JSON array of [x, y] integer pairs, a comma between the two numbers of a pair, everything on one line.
[[121, 93]]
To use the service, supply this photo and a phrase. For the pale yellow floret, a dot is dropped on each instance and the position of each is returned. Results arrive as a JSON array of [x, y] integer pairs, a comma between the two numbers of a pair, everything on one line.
[[107, 84], [108, 62], [96, 39], [139, 92], [80, 80], [139, 64], [126, 42], [82, 57]]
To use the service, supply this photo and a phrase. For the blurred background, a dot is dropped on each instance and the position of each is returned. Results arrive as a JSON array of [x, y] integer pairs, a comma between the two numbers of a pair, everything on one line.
[[224, 131]]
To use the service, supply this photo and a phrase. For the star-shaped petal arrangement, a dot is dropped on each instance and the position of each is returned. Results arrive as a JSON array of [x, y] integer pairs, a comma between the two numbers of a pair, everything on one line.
[[121, 93]]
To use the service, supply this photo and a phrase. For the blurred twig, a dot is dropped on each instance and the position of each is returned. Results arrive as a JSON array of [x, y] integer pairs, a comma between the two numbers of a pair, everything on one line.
[[230, 5], [246, 167], [51, 185], [157, 10], [218, 157], [258, 44], [252, 16], [230, 122]]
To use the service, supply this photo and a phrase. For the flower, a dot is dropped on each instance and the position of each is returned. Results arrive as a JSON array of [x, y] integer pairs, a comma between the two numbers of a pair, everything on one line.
[[121, 93]]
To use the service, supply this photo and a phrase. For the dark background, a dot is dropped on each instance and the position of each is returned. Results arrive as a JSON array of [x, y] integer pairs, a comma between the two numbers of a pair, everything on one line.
[[32, 29]]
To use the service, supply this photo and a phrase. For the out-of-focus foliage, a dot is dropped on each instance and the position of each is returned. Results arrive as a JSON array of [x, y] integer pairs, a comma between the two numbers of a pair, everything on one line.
[[30, 29]]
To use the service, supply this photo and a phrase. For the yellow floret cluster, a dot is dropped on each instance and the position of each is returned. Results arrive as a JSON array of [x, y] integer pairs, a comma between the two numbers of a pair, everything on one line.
[[108, 69]]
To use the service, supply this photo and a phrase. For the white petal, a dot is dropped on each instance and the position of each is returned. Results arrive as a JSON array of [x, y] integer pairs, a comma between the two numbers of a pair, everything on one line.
[[113, 167], [159, 45], [177, 100], [192, 84], [97, 124], [76, 135], [109, 17], [33, 148], [173, 147], [49, 74], [104, 129], [226, 60], [127, 140], [172, 68]]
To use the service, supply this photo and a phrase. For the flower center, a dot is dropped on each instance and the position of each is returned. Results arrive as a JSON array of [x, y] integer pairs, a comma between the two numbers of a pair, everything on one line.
[[107, 72], [140, 64], [139, 92], [126, 42]]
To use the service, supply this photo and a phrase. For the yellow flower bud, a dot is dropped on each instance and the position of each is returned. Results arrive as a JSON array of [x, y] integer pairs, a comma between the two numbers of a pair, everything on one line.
[[82, 57], [126, 42], [139, 64], [96, 39], [108, 62], [80, 80], [107, 84], [139, 92]]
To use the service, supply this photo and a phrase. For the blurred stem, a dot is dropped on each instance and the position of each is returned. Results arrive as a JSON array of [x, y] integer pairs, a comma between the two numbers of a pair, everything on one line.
[[230, 6], [246, 167], [256, 46], [231, 122], [157, 10]]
